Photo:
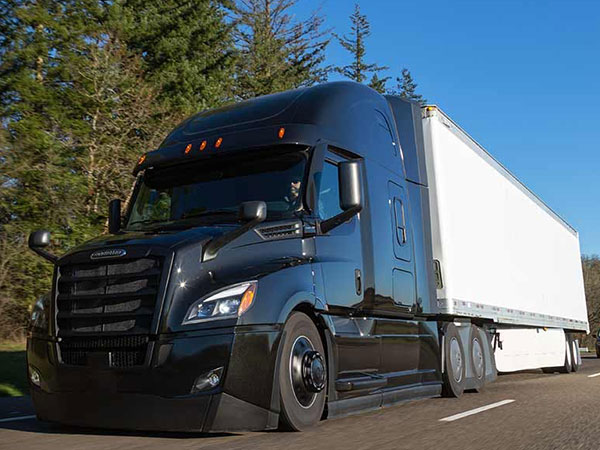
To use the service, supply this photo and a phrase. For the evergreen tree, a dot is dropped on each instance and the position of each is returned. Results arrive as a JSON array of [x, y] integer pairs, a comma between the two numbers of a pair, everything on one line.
[[378, 83], [75, 113], [37, 182], [187, 50], [277, 53], [354, 43], [406, 87]]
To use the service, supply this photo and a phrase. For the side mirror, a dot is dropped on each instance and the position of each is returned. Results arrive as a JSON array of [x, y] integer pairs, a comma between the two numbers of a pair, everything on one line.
[[114, 216], [37, 241], [253, 211], [350, 186]]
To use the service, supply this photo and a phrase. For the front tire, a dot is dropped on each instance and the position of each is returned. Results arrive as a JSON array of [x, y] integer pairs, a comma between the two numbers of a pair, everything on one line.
[[302, 374]]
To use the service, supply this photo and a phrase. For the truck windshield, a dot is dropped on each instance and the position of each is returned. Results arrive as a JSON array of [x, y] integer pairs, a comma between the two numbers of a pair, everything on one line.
[[211, 191]]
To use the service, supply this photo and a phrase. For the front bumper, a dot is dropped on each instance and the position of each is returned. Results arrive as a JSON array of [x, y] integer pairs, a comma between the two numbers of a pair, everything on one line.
[[157, 396], [203, 413]]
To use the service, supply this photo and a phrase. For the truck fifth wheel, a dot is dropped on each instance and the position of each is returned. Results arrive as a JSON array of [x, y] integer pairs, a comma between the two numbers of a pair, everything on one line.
[[302, 255]]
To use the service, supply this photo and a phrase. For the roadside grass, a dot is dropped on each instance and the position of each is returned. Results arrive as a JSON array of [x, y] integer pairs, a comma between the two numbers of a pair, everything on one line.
[[13, 375]]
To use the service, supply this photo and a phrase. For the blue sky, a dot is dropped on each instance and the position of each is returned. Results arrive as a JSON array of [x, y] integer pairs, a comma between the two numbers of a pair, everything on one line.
[[520, 76]]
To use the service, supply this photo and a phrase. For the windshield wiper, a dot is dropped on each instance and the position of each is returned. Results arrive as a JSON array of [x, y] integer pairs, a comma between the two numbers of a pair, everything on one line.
[[210, 212], [146, 222]]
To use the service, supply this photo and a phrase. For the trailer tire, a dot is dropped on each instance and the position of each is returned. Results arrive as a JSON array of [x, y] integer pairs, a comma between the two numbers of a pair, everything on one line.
[[568, 366], [454, 373], [302, 374], [574, 353], [477, 358]]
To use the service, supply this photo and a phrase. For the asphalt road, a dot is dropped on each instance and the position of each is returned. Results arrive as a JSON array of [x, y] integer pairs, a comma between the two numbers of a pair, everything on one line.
[[547, 412]]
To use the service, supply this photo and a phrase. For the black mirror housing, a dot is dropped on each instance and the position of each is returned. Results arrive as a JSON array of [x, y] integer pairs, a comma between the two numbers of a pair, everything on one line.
[[350, 185], [37, 241], [251, 211], [114, 216], [351, 199]]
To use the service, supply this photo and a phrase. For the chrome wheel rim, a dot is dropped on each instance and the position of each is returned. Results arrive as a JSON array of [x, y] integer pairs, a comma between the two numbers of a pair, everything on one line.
[[456, 360], [477, 358]]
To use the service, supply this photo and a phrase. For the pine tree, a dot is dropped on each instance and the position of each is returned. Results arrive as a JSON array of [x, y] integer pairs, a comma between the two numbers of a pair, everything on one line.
[[406, 87], [277, 53], [354, 43], [187, 50], [75, 113], [378, 83], [38, 185]]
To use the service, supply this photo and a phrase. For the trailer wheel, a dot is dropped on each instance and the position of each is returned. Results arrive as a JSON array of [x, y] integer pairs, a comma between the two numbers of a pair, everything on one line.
[[574, 353], [477, 358], [302, 374], [454, 363], [568, 366]]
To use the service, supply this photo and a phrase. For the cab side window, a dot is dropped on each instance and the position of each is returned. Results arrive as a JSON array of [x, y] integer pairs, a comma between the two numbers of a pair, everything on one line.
[[328, 204]]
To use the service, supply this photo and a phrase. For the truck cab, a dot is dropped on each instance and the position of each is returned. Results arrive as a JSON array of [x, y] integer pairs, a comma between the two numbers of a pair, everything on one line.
[[272, 267]]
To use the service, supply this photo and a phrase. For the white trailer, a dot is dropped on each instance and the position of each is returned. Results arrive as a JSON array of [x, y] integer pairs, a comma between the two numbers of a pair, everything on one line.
[[501, 254]]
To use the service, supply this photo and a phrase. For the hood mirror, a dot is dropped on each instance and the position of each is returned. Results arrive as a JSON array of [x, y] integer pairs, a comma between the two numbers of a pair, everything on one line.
[[38, 240], [252, 213]]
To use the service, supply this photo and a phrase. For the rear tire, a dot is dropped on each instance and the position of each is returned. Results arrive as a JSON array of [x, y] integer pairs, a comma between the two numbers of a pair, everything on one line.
[[574, 354], [477, 358], [454, 363], [302, 371], [567, 366]]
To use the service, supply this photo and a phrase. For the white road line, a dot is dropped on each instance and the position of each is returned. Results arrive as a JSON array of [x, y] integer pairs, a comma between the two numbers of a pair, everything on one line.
[[594, 375], [475, 411], [10, 419]]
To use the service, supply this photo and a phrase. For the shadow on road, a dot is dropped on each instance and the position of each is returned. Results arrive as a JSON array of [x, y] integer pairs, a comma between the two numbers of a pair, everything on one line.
[[35, 426]]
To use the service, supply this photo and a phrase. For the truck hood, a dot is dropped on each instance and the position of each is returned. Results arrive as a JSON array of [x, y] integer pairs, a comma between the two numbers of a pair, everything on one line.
[[167, 240]]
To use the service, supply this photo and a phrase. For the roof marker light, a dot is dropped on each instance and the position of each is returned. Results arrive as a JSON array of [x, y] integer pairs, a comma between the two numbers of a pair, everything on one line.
[[203, 145], [142, 159], [219, 142], [188, 148], [281, 133]]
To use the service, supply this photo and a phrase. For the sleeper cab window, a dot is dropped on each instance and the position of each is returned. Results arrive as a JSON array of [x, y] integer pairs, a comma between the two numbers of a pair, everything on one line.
[[328, 204]]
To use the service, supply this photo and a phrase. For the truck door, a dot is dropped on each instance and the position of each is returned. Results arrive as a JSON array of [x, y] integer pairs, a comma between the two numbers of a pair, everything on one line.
[[403, 280], [340, 256]]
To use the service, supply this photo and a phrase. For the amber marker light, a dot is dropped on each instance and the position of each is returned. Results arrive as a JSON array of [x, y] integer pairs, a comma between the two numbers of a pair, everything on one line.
[[202, 145], [188, 148], [142, 159], [281, 133], [219, 142], [247, 299]]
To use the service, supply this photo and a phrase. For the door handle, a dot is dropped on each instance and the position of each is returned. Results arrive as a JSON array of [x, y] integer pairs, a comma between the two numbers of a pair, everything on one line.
[[358, 281]]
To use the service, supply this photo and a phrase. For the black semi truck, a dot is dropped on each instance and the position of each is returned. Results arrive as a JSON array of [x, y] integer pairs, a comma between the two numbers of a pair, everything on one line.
[[273, 267]]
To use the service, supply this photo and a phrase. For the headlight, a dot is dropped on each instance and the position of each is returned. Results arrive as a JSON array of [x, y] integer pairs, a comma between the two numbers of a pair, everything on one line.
[[232, 301], [39, 313]]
